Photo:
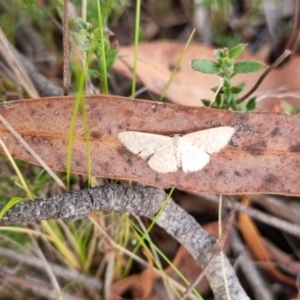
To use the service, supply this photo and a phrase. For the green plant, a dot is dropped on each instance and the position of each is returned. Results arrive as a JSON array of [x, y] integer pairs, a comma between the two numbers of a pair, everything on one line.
[[89, 38], [225, 67]]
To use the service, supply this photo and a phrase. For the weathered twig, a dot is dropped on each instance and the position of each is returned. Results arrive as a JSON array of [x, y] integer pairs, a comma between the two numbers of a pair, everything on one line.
[[31, 261], [275, 222], [249, 270], [217, 251], [45, 291], [145, 201]]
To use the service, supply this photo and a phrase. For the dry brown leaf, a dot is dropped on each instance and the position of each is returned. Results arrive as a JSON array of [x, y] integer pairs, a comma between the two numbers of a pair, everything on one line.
[[156, 60], [145, 285], [267, 162], [122, 286]]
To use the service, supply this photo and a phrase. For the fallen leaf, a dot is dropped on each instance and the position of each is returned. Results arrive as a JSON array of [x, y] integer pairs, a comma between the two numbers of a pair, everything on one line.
[[156, 60], [265, 160]]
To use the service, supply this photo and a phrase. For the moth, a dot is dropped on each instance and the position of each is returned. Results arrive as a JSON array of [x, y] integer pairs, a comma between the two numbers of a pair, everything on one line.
[[191, 152]]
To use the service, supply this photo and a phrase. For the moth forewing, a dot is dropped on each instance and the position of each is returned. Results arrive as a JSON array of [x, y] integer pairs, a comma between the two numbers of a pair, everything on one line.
[[142, 144]]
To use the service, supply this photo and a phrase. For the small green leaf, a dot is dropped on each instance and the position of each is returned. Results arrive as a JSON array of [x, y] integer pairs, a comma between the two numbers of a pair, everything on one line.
[[247, 66], [236, 89], [94, 73], [80, 38], [251, 104], [214, 89], [205, 66], [205, 102], [218, 53], [112, 55], [218, 100], [232, 104], [236, 51]]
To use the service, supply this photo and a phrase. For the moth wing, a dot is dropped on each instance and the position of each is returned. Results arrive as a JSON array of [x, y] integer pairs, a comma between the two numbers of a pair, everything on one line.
[[210, 140], [142, 144], [164, 159], [193, 158]]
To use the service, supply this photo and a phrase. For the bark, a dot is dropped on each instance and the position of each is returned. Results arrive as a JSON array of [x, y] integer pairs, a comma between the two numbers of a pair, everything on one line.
[[143, 201]]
